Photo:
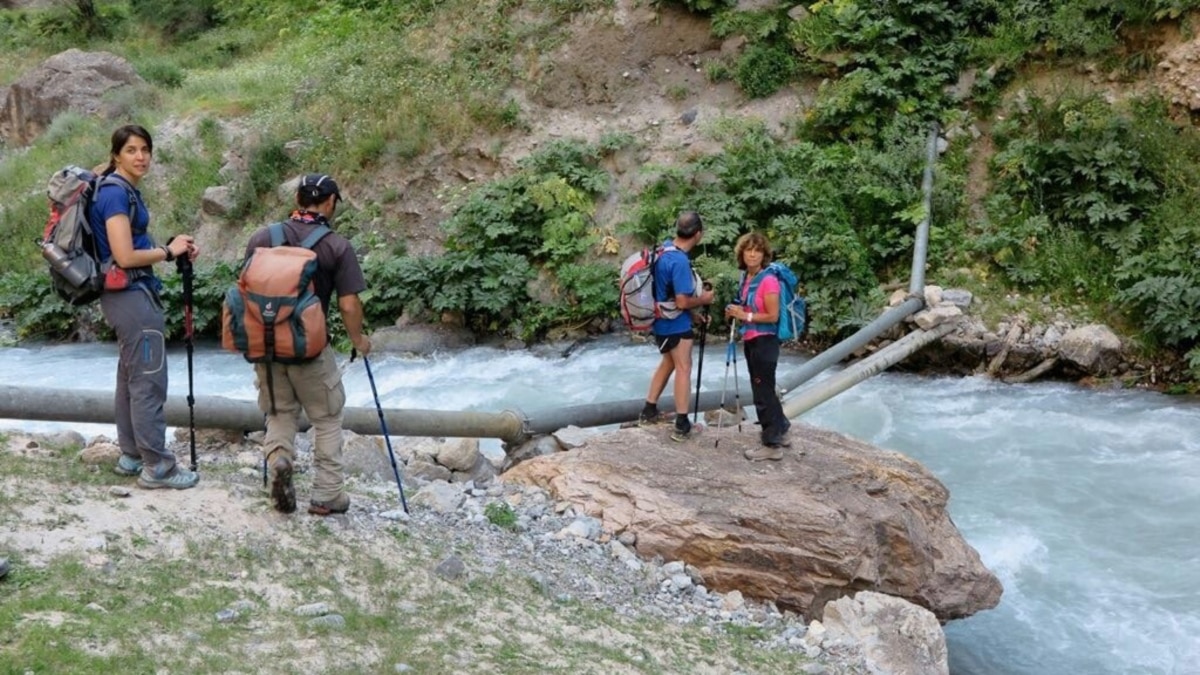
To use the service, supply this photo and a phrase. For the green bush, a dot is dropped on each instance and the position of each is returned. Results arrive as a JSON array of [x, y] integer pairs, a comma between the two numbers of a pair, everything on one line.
[[501, 515], [163, 73], [1097, 201], [75, 21], [179, 20], [700, 6], [764, 69]]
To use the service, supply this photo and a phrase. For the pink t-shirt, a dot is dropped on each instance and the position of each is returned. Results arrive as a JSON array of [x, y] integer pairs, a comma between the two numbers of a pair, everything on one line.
[[768, 286]]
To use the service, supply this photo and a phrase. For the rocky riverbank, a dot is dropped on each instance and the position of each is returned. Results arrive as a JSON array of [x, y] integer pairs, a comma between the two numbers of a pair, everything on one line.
[[535, 573]]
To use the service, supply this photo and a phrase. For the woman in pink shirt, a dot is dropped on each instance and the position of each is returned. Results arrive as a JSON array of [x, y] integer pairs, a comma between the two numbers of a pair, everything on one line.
[[758, 310]]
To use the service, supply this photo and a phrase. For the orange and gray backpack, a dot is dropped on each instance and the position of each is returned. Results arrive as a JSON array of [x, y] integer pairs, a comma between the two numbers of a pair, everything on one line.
[[273, 314]]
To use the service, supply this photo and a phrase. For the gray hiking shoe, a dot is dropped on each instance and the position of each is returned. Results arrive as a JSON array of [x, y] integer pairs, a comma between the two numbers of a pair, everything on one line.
[[764, 452], [128, 466], [340, 504], [3, 567], [282, 490], [181, 479]]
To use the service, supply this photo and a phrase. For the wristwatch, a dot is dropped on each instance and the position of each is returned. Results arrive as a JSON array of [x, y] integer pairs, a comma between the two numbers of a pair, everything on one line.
[[170, 256]]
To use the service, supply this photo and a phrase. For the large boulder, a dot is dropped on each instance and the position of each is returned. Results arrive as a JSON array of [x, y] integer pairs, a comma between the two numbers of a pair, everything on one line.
[[71, 80], [1094, 348], [889, 634], [421, 339], [834, 517]]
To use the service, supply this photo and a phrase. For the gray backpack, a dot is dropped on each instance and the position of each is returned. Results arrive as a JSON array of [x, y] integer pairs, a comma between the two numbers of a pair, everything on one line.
[[68, 243]]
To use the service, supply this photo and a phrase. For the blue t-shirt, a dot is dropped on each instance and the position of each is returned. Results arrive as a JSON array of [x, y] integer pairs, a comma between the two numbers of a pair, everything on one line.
[[112, 199], [673, 276]]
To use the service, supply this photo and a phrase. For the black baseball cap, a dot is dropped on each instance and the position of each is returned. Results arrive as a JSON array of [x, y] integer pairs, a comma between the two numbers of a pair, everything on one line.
[[316, 186]]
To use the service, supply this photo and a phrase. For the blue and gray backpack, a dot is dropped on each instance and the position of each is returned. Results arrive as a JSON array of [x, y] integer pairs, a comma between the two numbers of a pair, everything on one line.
[[792, 306]]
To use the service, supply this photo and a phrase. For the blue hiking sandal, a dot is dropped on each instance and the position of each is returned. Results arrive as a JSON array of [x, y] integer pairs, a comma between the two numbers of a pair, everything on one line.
[[128, 466], [182, 479]]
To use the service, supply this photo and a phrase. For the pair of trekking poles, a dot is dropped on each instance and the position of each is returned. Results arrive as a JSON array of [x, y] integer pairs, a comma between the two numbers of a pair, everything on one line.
[[187, 275], [730, 359]]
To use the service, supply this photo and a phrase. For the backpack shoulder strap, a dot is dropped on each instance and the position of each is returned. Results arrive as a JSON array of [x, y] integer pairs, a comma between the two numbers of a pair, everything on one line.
[[315, 236], [275, 230]]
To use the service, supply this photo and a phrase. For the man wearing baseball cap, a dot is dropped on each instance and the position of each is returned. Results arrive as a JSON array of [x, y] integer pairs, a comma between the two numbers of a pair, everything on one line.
[[314, 386]]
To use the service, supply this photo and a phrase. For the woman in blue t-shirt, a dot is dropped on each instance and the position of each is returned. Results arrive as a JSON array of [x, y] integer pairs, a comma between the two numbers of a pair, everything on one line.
[[759, 314], [131, 305]]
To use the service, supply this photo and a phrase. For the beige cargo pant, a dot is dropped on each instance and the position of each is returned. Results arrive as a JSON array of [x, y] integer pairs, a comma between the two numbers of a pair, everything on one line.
[[316, 388]]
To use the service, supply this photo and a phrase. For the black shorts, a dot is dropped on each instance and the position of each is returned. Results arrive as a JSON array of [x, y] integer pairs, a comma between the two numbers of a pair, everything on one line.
[[667, 343]]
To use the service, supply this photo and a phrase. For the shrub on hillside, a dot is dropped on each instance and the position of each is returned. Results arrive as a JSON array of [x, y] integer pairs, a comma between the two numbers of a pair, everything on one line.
[[179, 20]]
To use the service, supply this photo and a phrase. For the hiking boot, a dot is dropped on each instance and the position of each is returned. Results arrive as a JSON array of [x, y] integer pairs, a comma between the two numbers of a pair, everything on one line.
[[282, 490], [765, 452], [681, 434], [3, 567], [128, 466], [181, 479], [341, 504]]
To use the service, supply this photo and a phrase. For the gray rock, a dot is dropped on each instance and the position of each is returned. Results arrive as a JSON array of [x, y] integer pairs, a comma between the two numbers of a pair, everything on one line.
[[584, 528], [314, 609], [1094, 348], [440, 496], [227, 616], [72, 80], [427, 471], [958, 297], [421, 339], [329, 621], [480, 473], [574, 437], [460, 454], [936, 316], [536, 447], [366, 456], [892, 634], [119, 491], [218, 200], [451, 568]]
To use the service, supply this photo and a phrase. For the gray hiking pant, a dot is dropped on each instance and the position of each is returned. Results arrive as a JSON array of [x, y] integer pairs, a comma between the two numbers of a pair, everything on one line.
[[315, 387], [136, 316]]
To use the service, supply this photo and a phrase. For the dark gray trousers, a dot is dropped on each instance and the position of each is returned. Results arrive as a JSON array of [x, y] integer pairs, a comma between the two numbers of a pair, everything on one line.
[[136, 316], [762, 358]]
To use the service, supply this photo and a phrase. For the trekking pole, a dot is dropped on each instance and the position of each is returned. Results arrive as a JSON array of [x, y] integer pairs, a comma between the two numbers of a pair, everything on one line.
[[700, 365], [184, 264], [383, 426], [737, 396], [729, 347]]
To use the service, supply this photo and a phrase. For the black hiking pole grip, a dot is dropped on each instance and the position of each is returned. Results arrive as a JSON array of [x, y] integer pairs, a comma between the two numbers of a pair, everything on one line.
[[184, 264], [383, 427]]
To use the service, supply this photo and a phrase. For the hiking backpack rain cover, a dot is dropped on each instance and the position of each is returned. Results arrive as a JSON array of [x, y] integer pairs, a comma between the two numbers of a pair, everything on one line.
[[273, 313], [67, 243], [638, 306]]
